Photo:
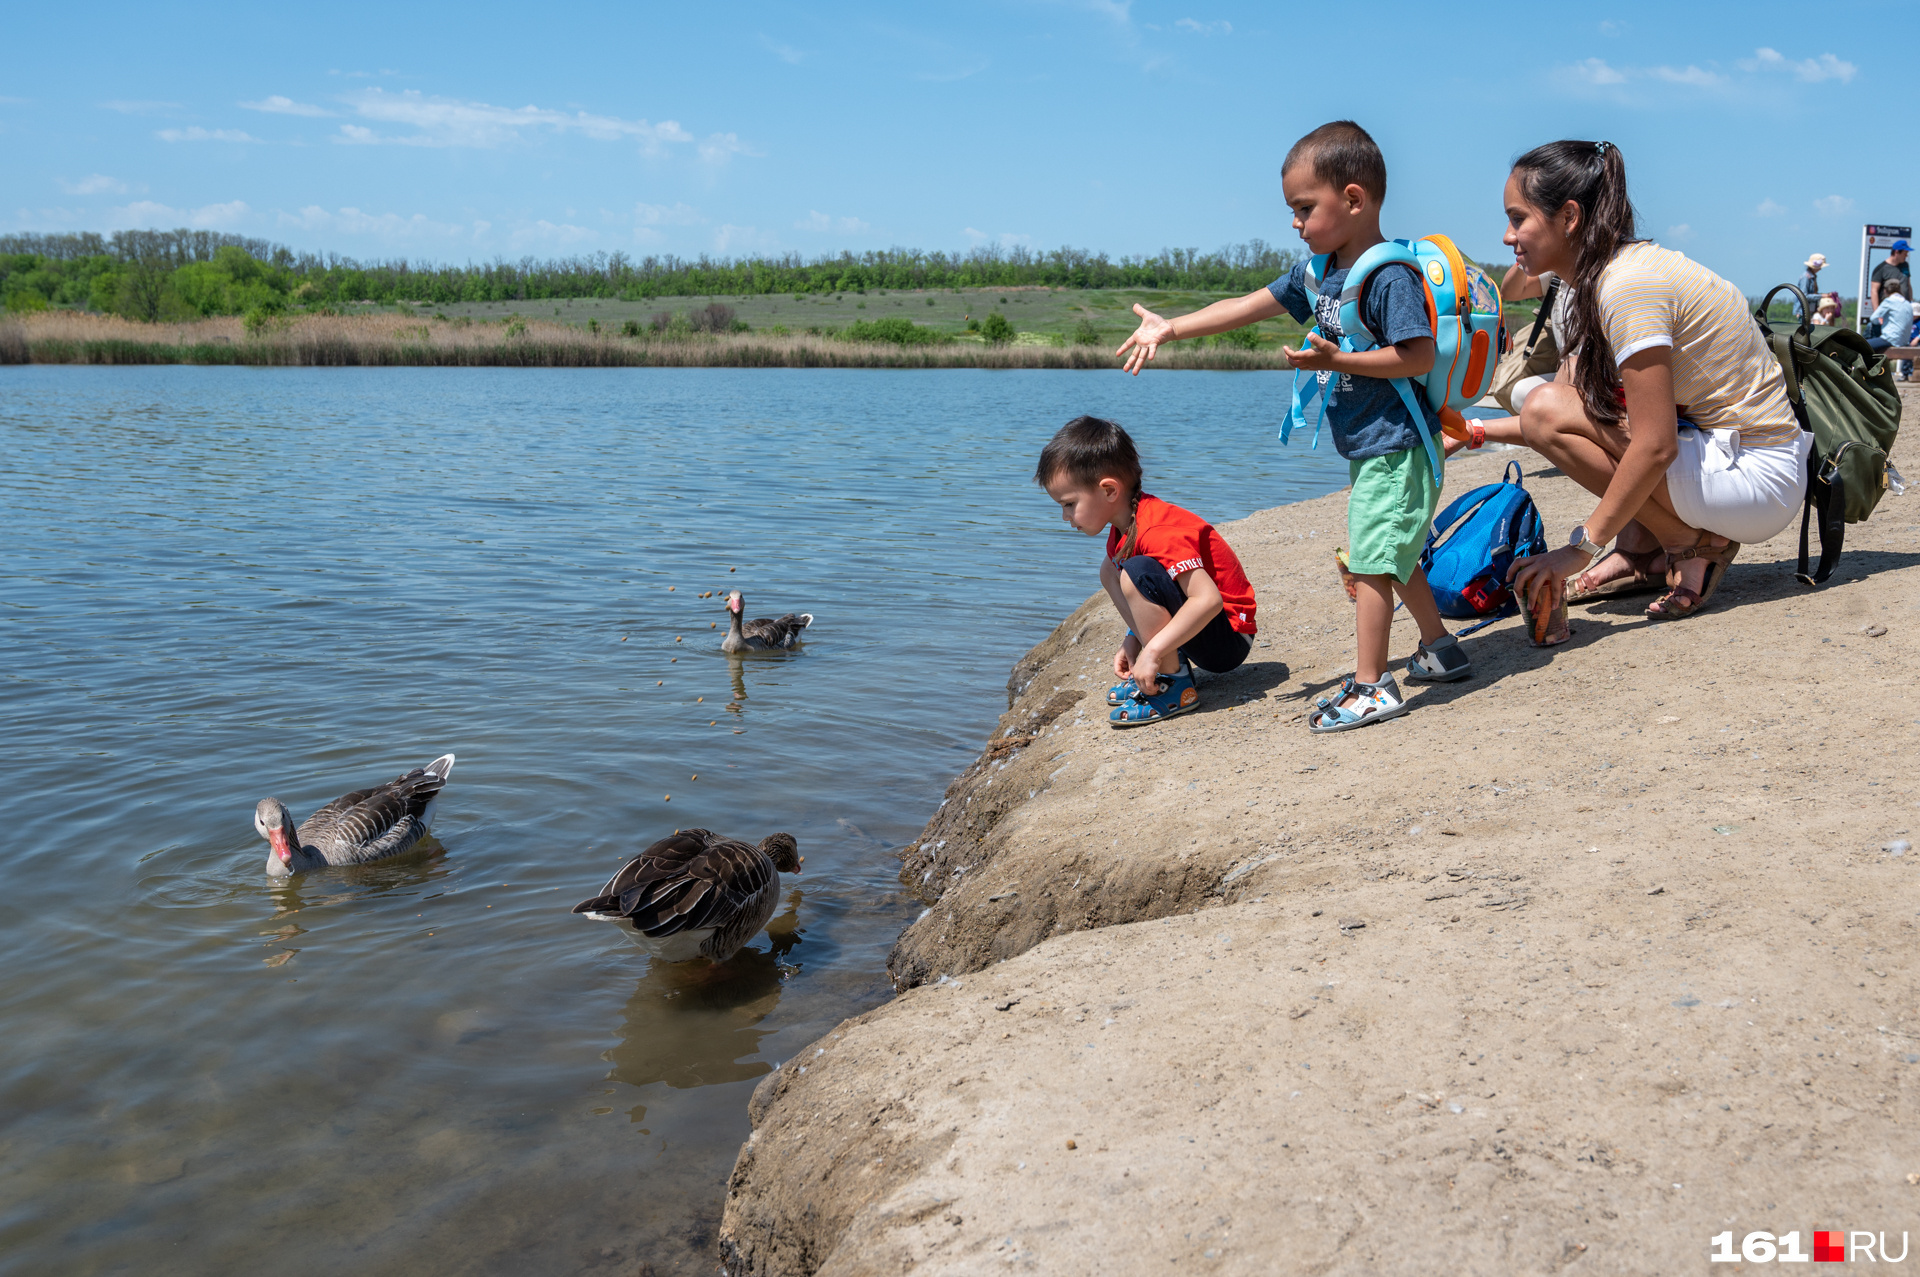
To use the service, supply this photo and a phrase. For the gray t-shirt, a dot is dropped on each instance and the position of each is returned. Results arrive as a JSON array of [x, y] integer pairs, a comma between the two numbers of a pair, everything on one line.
[[1365, 414]]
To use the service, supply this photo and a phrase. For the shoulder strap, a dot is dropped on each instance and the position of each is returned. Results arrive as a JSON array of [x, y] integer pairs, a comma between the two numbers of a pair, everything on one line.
[[1540, 320], [1828, 496], [1353, 293], [1405, 388]]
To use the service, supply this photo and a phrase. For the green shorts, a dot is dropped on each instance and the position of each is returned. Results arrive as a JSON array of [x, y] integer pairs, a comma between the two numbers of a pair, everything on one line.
[[1389, 513]]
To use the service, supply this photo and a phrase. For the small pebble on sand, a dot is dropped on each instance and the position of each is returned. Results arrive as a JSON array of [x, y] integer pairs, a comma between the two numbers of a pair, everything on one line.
[[1071, 1144], [1874, 631]]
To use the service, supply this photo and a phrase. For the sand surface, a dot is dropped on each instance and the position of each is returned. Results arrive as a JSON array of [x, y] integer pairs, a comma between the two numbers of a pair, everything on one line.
[[1581, 962]]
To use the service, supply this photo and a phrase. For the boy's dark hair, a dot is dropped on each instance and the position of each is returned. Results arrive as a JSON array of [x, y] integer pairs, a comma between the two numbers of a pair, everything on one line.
[[1087, 450], [1343, 154]]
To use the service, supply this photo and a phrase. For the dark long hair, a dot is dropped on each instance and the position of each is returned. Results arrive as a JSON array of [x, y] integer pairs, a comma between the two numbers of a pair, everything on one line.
[[1594, 176]]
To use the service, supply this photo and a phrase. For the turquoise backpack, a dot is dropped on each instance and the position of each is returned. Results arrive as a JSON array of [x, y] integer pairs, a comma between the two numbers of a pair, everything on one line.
[[1463, 307]]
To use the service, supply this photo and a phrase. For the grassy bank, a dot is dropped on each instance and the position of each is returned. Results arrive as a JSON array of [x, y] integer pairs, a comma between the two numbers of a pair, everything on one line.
[[65, 337]]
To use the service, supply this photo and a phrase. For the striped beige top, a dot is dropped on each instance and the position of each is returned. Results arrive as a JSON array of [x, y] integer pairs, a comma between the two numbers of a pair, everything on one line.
[[1724, 376]]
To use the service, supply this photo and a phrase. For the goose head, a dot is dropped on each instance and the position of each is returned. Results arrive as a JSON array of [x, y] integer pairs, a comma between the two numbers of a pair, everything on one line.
[[783, 851], [275, 824], [736, 603]]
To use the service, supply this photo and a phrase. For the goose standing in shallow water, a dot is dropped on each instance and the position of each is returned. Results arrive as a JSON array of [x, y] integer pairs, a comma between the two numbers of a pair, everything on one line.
[[696, 894], [366, 825], [763, 635]]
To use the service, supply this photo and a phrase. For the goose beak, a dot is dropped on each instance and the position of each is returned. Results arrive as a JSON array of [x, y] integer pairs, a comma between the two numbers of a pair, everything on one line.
[[281, 847]]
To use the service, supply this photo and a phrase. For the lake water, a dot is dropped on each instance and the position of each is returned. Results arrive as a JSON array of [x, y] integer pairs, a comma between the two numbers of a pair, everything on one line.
[[224, 584]]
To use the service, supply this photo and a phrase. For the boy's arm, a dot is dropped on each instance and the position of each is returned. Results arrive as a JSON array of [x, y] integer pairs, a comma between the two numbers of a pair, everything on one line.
[[1203, 603], [1222, 316], [1410, 358]]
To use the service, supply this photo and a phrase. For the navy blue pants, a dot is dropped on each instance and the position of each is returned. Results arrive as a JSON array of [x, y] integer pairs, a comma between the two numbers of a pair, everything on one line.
[[1217, 648]]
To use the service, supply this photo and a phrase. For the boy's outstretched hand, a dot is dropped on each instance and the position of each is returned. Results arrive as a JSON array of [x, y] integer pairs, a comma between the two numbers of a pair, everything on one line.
[[1316, 356], [1145, 341]]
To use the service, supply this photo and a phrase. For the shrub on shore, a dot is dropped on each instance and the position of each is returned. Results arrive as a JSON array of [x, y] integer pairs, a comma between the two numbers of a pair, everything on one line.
[[899, 331]]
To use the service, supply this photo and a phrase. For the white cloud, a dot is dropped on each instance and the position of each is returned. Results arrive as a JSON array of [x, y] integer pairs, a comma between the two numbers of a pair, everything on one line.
[[1611, 27], [819, 222], [392, 228], [721, 147], [1833, 205], [1222, 27], [1005, 239], [1808, 70], [139, 108], [1120, 11], [1767, 208], [1596, 71], [1679, 234], [951, 77], [98, 184], [561, 234], [1688, 74], [667, 215], [730, 238], [146, 213], [195, 133], [277, 105], [786, 53], [453, 122]]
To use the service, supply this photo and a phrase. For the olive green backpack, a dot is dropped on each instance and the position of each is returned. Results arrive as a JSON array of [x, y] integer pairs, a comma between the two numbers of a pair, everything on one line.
[[1842, 391]]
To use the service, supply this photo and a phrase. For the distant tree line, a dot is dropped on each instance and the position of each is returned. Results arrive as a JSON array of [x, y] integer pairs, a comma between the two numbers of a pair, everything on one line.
[[185, 273]]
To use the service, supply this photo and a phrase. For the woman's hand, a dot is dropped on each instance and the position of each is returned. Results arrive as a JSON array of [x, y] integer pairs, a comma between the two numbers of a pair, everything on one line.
[[1146, 339], [1537, 570]]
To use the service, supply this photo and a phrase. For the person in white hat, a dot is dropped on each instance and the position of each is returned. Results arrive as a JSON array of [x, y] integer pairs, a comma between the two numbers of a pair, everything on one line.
[[1810, 282]]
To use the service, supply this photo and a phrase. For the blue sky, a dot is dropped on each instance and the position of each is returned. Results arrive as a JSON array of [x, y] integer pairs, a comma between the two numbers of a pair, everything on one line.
[[1753, 134]]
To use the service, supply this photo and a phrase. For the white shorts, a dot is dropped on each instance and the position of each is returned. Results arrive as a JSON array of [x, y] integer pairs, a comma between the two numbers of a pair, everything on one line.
[[1524, 387], [1744, 494]]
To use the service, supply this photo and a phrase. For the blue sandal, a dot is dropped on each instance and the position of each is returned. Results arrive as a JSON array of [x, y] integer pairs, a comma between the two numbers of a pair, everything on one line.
[[1177, 695], [1373, 703], [1121, 693]]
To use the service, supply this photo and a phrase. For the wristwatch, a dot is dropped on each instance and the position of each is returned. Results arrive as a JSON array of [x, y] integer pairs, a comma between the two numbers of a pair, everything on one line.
[[1586, 545]]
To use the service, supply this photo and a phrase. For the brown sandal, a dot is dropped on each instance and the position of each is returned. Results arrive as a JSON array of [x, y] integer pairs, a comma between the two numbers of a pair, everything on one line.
[[1644, 579], [1682, 600]]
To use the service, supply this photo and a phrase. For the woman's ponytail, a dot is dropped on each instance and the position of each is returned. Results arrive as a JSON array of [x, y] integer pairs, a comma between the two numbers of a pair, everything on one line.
[[1594, 176]]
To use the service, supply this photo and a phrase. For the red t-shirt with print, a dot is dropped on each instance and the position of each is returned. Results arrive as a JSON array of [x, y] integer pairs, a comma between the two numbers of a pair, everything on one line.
[[1183, 541]]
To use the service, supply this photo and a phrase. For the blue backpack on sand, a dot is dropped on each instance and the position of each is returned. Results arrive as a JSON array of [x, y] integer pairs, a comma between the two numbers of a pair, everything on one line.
[[1463, 309], [1473, 543]]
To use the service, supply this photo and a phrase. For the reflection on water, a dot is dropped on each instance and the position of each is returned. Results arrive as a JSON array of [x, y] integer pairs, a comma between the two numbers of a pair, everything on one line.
[[693, 1024], [427, 1065]]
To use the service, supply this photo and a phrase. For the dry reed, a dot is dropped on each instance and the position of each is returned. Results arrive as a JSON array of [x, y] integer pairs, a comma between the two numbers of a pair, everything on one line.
[[68, 337]]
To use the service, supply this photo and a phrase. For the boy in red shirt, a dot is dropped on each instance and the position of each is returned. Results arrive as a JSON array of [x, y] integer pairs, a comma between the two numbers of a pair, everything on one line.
[[1175, 581]]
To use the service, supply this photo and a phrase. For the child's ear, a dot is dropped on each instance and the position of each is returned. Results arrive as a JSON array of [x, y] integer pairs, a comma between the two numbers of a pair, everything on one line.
[[1356, 197], [1109, 488]]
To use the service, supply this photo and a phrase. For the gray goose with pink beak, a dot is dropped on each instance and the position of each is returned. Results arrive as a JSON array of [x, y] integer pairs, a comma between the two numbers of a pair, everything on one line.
[[357, 828], [768, 634]]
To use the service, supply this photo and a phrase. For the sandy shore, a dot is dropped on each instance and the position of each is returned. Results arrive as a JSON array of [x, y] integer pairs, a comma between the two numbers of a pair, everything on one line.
[[1580, 963]]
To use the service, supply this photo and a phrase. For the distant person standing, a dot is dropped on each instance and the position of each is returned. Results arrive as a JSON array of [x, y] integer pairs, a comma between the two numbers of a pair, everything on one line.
[[1895, 267], [1810, 282]]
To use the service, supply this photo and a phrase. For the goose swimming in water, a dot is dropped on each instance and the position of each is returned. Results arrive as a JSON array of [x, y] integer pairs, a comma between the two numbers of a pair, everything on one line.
[[696, 894], [366, 825], [763, 635]]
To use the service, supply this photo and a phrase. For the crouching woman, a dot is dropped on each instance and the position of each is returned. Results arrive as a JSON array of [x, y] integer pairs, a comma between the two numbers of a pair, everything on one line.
[[1669, 407]]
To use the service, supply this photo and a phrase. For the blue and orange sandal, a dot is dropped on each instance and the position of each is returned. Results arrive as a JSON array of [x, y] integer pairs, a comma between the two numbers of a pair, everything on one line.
[[1177, 695], [1373, 703]]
